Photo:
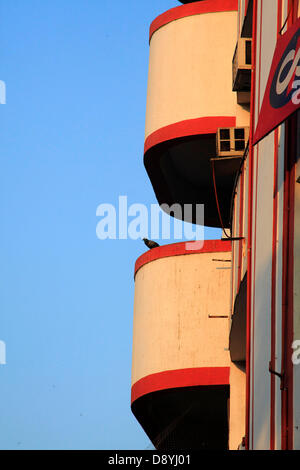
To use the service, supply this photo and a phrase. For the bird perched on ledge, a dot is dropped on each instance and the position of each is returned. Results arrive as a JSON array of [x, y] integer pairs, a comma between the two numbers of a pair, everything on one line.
[[150, 244]]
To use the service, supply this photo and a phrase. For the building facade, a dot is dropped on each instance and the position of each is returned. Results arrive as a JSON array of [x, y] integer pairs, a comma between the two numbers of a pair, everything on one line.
[[216, 330]]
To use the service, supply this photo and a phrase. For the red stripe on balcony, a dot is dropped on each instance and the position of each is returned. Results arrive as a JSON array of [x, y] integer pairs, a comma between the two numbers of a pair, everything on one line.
[[203, 125], [177, 249], [197, 376], [198, 8]]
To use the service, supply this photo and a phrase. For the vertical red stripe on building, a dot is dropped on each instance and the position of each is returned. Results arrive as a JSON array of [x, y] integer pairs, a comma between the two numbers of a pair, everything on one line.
[[295, 11], [290, 287], [233, 292], [292, 11], [250, 217], [287, 283], [284, 299], [287, 434]]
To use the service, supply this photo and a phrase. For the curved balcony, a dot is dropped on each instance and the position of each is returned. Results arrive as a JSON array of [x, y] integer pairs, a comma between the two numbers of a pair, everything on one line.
[[180, 365], [189, 97]]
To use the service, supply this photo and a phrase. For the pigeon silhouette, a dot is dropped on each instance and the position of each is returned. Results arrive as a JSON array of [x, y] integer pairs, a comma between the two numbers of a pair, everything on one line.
[[150, 243]]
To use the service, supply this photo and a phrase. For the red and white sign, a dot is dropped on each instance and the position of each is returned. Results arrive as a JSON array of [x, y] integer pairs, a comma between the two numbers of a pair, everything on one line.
[[282, 95]]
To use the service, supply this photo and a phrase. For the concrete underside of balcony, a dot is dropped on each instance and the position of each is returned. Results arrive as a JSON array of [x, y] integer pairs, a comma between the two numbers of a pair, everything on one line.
[[187, 418], [181, 173]]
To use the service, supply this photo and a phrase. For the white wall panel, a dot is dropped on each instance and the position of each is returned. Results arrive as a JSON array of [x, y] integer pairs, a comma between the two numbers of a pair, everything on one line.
[[262, 236], [262, 293], [268, 42]]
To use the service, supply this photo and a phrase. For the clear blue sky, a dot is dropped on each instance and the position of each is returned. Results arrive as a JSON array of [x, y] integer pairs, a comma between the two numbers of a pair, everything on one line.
[[71, 138]]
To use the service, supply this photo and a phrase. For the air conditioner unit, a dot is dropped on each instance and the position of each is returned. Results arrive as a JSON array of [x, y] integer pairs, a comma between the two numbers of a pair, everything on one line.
[[241, 65], [232, 141]]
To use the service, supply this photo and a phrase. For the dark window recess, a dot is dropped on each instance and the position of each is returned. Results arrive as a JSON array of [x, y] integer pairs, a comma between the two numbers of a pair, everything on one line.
[[248, 52], [239, 145], [225, 145], [239, 139], [239, 134], [225, 134]]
